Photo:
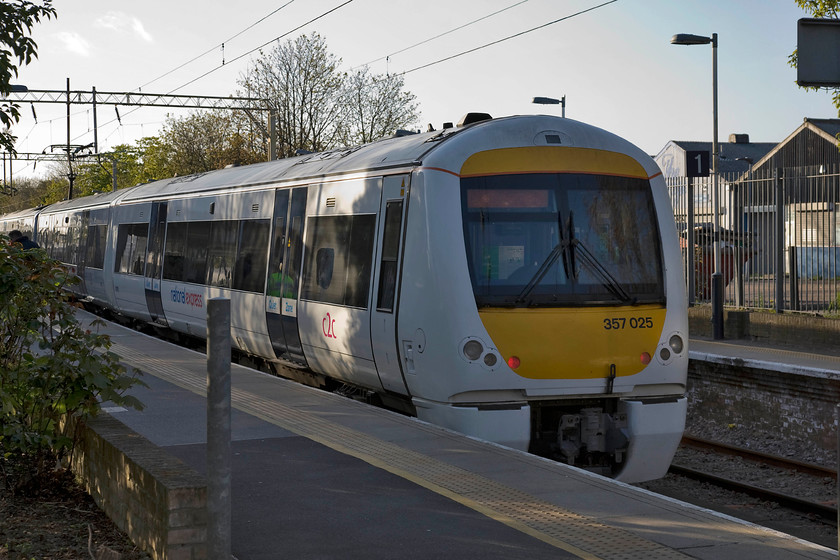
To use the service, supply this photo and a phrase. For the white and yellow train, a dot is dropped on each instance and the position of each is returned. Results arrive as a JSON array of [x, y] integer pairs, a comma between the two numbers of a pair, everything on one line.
[[515, 279]]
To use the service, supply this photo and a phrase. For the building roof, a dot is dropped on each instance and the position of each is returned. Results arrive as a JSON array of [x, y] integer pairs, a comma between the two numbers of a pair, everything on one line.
[[734, 156], [828, 129], [831, 127]]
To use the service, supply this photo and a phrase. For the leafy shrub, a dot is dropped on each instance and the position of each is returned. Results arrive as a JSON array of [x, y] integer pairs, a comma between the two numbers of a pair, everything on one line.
[[51, 368]]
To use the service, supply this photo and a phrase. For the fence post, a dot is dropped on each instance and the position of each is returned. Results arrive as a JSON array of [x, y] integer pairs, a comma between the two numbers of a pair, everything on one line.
[[738, 252], [218, 430], [793, 266], [780, 241], [689, 241]]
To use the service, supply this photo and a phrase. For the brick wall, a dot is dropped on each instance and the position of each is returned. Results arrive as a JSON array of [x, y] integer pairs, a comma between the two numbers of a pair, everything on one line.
[[156, 499], [786, 407]]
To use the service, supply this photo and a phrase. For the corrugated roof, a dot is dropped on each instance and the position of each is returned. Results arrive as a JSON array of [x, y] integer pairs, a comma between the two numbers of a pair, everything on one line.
[[829, 126], [733, 156]]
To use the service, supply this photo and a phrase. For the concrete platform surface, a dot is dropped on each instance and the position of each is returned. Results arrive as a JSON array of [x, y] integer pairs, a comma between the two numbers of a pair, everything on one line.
[[316, 475]]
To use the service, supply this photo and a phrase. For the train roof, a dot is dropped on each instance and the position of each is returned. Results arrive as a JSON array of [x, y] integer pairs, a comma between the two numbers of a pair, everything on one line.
[[98, 199], [392, 153], [17, 214], [396, 152]]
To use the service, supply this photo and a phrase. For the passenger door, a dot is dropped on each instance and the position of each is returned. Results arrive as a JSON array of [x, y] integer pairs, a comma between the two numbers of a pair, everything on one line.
[[383, 323], [154, 261], [282, 288]]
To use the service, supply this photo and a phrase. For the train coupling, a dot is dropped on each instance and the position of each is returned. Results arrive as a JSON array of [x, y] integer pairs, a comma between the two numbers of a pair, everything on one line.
[[586, 437]]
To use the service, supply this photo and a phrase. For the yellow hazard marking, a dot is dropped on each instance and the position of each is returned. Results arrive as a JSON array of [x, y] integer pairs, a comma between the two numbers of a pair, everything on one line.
[[574, 533]]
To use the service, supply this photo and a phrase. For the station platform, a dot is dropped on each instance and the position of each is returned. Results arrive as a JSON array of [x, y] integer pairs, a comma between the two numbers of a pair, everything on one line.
[[749, 354], [316, 475]]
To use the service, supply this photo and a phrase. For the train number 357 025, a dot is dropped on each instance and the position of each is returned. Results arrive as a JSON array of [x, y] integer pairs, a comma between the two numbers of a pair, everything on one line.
[[620, 323]]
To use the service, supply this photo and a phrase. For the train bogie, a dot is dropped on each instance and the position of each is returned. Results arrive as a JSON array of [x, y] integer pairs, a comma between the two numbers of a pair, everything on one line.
[[517, 280]]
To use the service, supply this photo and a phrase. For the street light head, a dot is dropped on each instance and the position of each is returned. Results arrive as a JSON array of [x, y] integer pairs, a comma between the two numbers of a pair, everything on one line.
[[545, 101], [689, 39]]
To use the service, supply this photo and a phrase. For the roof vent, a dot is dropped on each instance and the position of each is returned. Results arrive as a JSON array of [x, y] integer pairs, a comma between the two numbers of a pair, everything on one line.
[[739, 138], [471, 118]]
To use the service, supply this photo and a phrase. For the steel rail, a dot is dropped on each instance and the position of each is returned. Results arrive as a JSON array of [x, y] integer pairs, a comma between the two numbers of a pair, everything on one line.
[[824, 511], [760, 457]]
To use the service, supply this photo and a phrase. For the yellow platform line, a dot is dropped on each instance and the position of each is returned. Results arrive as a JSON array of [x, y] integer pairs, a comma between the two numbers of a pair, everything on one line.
[[574, 533]]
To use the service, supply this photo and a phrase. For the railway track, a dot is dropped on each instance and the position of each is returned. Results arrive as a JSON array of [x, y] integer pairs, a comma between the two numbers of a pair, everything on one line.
[[822, 510]]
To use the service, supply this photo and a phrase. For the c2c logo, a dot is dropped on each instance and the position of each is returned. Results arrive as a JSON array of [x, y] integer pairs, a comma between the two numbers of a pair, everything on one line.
[[328, 327]]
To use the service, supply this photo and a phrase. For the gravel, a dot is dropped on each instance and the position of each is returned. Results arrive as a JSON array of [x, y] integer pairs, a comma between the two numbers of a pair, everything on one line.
[[815, 488]]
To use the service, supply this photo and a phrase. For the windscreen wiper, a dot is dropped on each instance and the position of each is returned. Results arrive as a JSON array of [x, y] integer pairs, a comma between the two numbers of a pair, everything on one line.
[[542, 270], [608, 281], [568, 263]]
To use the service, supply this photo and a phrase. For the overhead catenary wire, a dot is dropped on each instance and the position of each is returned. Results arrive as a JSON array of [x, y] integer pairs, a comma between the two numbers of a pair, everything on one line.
[[216, 46], [243, 55], [341, 5], [430, 39], [496, 42], [227, 63], [208, 51]]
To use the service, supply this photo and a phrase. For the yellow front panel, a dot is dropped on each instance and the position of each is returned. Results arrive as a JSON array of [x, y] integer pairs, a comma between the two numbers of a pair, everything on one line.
[[578, 343], [551, 159]]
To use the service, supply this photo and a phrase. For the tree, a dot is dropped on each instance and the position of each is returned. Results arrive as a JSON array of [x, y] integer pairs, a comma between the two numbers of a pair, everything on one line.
[[204, 141], [51, 368], [16, 48], [319, 107], [147, 160], [300, 78], [29, 193], [374, 106]]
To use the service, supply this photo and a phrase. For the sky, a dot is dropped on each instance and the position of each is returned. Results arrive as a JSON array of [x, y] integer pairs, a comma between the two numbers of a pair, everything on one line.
[[612, 61]]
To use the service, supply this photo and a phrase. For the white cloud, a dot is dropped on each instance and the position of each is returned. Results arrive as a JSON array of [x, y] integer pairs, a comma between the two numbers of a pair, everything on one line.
[[74, 43], [138, 28], [122, 22]]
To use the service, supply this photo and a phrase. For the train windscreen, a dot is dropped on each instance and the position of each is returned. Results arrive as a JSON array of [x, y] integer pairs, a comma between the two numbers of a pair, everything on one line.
[[552, 240]]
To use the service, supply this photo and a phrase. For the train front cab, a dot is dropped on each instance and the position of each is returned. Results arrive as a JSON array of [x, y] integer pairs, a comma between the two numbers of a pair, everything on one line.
[[573, 350]]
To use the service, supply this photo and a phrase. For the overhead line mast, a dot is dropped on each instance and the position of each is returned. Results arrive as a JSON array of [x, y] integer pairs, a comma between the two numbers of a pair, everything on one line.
[[136, 99]]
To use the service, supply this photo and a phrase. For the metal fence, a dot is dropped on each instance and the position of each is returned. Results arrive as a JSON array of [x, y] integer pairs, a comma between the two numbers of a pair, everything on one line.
[[780, 237]]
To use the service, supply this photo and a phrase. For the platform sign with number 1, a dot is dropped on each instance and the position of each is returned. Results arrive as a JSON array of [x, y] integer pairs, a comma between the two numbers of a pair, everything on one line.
[[697, 163]]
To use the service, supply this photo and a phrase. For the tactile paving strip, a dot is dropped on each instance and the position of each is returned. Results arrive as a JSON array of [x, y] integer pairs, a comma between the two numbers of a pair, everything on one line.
[[574, 533]]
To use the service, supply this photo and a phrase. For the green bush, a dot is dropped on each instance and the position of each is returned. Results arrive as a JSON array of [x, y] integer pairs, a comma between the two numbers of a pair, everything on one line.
[[51, 368]]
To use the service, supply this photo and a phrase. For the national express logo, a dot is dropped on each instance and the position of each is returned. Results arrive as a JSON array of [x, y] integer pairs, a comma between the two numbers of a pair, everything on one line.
[[187, 298]]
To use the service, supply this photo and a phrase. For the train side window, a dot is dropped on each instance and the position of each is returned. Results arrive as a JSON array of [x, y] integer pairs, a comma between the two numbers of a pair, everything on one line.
[[251, 259], [221, 253], [96, 238], [174, 253], [325, 260], [198, 238], [350, 241], [390, 252], [131, 248]]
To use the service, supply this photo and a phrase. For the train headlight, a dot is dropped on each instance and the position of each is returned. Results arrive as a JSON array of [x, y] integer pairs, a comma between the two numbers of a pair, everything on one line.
[[676, 344], [473, 350], [664, 354]]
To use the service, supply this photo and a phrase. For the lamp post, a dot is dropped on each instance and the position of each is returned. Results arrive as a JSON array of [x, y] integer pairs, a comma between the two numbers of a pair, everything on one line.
[[717, 276], [552, 101]]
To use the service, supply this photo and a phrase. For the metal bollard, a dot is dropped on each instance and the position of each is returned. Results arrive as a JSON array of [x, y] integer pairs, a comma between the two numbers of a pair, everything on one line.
[[218, 430], [717, 306]]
